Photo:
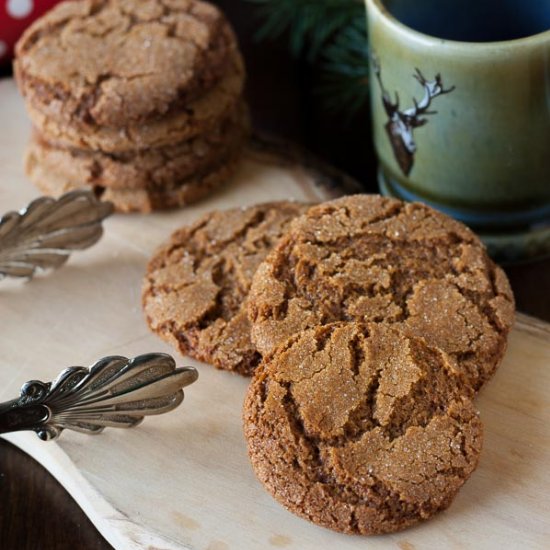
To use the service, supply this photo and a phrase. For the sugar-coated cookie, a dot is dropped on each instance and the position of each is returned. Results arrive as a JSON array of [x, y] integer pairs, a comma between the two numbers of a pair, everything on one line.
[[118, 62], [148, 169], [186, 191], [360, 428], [195, 290], [375, 259]]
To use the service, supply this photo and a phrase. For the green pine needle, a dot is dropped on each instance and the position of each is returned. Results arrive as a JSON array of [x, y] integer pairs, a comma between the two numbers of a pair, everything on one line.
[[346, 69], [310, 23], [330, 32]]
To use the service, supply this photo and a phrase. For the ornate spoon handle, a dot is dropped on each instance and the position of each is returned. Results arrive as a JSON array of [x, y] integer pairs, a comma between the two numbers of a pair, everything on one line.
[[42, 235], [115, 391]]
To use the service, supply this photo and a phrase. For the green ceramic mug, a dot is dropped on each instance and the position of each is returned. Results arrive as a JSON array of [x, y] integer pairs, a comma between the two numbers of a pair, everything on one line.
[[460, 93]]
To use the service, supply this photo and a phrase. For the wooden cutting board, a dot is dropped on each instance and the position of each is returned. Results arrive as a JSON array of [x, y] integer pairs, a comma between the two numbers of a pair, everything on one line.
[[183, 480]]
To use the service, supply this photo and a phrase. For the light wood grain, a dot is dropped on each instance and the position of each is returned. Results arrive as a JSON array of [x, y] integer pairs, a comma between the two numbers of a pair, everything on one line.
[[183, 480]]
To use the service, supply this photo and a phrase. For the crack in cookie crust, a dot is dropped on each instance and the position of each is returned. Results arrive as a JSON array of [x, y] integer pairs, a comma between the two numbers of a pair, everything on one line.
[[195, 291], [375, 259], [197, 117], [367, 442], [136, 60]]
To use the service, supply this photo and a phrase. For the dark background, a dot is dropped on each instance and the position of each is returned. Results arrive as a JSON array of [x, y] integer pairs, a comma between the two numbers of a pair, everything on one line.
[[35, 511]]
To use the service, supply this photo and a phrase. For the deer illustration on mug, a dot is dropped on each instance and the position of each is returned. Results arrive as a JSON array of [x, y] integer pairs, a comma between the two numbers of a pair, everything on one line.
[[401, 124]]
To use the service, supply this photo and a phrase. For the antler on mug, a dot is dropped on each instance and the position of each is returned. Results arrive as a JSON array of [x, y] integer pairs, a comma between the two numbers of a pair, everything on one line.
[[432, 89], [390, 107]]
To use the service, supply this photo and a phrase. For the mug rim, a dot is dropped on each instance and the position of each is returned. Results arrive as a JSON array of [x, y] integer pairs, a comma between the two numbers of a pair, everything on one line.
[[431, 40]]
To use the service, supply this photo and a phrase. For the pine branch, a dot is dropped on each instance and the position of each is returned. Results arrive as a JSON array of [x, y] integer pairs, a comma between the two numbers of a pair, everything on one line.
[[346, 69], [330, 32], [310, 23]]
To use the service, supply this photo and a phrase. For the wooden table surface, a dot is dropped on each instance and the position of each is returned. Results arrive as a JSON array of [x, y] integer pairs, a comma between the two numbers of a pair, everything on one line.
[[35, 511]]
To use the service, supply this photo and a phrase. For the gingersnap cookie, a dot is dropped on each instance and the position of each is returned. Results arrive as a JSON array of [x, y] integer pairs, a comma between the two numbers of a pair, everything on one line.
[[148, 169], [376, 259], [181, 193], [116, 62], [189, 191], [360, 428], [197, 117], [195, 290]]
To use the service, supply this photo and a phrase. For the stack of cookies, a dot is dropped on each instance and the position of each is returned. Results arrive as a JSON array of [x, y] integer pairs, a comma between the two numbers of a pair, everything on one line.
[[140, 101], [369, 325]]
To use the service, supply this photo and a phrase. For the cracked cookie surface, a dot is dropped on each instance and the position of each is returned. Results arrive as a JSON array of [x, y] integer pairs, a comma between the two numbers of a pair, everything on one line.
[[374, 259], [197, 117], [360, 428], [149, 169], [115, 62], [195, 290]]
